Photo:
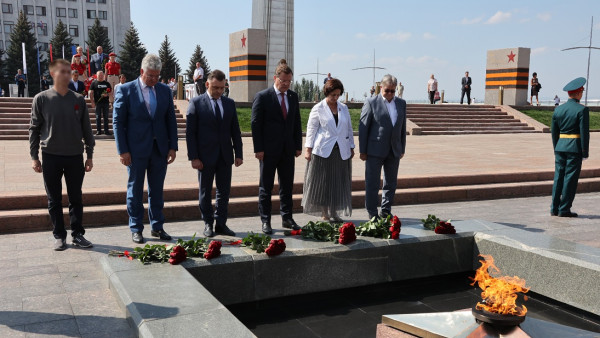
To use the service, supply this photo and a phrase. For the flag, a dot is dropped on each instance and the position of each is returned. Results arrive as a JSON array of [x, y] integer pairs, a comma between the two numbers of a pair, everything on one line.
[[63, 51], [37, 49], [24, 62], [89, 63], [73, 50], [51, 59]]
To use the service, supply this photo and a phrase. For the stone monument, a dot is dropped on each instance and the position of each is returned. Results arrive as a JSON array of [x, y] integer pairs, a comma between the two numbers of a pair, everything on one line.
[[507, 68]]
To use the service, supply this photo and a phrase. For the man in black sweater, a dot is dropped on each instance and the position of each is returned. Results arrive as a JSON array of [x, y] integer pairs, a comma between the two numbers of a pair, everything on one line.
[[59, 122]]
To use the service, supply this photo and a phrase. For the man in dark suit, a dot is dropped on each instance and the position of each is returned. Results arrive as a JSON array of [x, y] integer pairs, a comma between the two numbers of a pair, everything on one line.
[[213, 135], [76, 85], [145, 130], [465, 88], [382, 140], [277, 138]]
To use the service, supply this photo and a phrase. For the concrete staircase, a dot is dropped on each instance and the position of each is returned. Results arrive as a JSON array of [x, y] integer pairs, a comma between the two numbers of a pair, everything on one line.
[[450, 119], [22, 212], [15, 115]]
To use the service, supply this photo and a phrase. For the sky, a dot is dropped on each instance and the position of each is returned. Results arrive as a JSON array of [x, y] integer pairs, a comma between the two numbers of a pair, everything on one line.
[[411, 39]]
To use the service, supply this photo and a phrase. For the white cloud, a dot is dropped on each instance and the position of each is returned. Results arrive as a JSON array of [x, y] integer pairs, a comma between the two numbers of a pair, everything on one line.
[[544, 16], [337, 57], [428, 36], [499, 17], [398, 36], [473, 21], [411, 61], [538, 50], [360, 35]]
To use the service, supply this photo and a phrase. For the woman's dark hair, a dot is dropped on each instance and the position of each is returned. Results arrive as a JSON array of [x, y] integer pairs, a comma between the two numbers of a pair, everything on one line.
[[332, 85], [534, 74]]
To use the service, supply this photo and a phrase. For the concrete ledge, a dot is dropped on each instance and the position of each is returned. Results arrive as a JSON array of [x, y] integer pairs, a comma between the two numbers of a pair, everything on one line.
[[524, 118]]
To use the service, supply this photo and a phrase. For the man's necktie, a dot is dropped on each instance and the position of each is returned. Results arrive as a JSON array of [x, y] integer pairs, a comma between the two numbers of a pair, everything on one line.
[[218, 113], [152, 101], [283, 107]]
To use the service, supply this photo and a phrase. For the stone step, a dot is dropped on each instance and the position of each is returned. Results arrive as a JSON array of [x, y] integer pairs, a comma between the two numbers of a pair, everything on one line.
[[460, 117], [466, 132], [472, 123], [491, 110], [476, 128], [450, 113], [104, 215]]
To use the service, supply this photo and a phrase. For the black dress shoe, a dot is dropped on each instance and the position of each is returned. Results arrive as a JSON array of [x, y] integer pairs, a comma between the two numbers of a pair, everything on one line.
[[553, 213], [266, 228], [137, 237], [208, 230], [568, 214], [290, 224], [161, 234], [224, 230]]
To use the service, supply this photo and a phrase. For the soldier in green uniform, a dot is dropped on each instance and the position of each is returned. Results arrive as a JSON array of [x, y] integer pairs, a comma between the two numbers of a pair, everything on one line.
[[571, 139]]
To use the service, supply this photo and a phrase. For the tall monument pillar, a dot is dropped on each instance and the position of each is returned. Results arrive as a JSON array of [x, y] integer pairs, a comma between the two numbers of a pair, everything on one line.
[[507, 68], [247, 64], [276, 17]]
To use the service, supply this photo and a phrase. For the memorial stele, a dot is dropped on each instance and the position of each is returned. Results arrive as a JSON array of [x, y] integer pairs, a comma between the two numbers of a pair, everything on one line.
[[508, 69]]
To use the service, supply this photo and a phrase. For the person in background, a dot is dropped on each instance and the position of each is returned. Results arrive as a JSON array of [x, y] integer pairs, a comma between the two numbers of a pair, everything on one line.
[[277, 139], [226, 93], [112, 71], [327, 78], [400, 90], [45, 83], [372, 91], [82, 57], [99, 93], [571, 142], [79, 67], [382, 142], [199, 78], [59, 123], [329, 152], [21, 81], [173, 86], [122, 80], [556, 100], [97, 60], [214, 143], [535, 89], [146, 137], [465, 88], [432, 85], [76, 85]]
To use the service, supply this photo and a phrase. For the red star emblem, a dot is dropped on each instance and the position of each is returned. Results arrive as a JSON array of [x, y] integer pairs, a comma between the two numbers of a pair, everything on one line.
[[511, 57], [243, 40]]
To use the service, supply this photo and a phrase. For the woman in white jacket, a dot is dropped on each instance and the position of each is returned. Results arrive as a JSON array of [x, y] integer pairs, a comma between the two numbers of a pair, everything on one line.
[[329, 152]]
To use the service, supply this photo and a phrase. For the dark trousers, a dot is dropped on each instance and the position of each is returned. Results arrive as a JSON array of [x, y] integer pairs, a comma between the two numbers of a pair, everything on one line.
[[53, 169], [21, 89], [284, 165], [222, 173], [373, 167], [462, 95], [432, 97], [200, 87], [156, 168], [102, 113], [566, 175]]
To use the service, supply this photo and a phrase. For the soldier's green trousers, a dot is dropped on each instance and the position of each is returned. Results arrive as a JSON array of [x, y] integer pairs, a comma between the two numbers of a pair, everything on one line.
[[566, 175]]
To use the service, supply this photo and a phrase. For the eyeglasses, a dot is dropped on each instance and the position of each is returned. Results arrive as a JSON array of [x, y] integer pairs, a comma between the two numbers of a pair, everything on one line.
[[389, 91], [284, 82]]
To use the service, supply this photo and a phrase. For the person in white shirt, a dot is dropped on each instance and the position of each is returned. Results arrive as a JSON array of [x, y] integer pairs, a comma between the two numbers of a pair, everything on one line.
[[556, 100], [329, 152], [432, 85], [199, 78], [400, 90], [122, 79]]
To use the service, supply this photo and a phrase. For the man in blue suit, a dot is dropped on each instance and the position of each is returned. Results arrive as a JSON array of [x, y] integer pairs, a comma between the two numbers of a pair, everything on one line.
[[145, 130], [382, 138], [213, 135]]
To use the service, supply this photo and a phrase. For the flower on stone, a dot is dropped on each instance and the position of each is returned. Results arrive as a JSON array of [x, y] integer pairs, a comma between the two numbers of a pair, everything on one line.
[[347, 233], [276, 247], [396, 224], [445, 228], [214, 250], [177, 255]]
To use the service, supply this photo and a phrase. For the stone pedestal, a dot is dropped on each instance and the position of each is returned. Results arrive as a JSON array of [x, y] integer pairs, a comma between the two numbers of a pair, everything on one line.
[[507, 68], [247, 64]]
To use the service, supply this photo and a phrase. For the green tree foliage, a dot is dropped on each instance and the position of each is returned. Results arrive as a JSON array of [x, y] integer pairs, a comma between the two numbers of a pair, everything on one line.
[[198, 56], [132, 53], [98, 36], [170, 64], [307, 90], [61, 38], [22, 32]]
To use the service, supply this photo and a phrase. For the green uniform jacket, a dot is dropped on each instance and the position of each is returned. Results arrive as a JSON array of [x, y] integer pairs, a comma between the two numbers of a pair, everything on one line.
[[571, 118]]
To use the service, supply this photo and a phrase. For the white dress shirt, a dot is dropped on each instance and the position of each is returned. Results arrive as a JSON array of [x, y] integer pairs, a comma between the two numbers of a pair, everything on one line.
[[287, 105], [75, 83], [198, 72], [146, 93], [391, 107], [219, 102]]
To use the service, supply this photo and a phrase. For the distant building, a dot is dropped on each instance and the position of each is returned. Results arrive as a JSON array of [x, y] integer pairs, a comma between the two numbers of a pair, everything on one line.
[[78, 15]]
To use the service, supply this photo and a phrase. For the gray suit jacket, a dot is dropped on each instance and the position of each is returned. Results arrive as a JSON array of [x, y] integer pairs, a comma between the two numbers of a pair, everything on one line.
[[376, 134]]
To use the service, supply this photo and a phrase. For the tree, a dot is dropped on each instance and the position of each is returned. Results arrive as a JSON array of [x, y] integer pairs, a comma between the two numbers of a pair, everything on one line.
[[60, 39], [170, 64], [198, 56], [98, 36], [22, 33], [132, 53], [307, 91]]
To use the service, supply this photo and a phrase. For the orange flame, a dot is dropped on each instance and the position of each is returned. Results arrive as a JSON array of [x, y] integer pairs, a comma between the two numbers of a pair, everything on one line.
[[499, 293]]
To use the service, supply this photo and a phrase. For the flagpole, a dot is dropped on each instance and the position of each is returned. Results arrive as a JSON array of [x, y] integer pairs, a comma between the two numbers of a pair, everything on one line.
[[51, 59], [25, 67]]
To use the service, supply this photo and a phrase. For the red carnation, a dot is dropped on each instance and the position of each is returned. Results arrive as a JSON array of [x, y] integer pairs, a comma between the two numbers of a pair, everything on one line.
[[395, 227], [214, 250], [108, 90], [292, 232], [126, 253], [76, 107], [276, 247], [178, 255], [445, 228], [347, 233]]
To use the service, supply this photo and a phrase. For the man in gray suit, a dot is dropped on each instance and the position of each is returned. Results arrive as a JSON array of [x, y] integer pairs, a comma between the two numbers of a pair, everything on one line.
[[382, 142]]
